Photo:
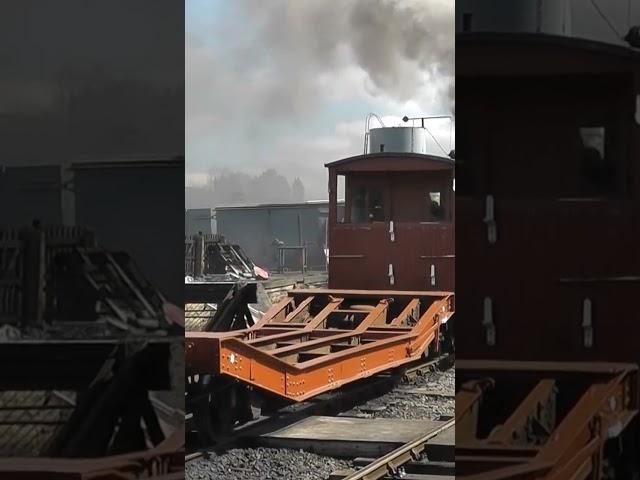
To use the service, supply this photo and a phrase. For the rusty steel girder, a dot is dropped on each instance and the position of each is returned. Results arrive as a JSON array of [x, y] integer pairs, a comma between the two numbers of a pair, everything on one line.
[[540, 420], [317, 340]]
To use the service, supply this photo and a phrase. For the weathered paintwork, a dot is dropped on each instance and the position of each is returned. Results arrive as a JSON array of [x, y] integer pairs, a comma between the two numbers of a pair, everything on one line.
[[560, 246], [420, 250]]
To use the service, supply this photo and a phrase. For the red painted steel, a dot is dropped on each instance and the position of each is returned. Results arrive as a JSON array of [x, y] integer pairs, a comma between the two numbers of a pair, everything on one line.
[[317, 340]]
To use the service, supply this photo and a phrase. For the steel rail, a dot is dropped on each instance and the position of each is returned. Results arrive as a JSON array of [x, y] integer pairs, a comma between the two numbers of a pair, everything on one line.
[[389, 463], [443, 362], [330, 404]]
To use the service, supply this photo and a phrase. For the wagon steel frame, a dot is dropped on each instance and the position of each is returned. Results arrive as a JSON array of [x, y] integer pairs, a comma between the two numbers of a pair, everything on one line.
[[553, 424], [317, 340]]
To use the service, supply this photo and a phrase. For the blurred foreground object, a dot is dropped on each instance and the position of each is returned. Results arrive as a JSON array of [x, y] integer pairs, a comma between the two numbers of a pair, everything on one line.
[[86, 343]]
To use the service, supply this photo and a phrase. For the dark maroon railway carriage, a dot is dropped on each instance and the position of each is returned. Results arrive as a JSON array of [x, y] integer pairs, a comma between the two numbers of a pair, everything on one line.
[[547, 207], [548, 200], [398, 228]]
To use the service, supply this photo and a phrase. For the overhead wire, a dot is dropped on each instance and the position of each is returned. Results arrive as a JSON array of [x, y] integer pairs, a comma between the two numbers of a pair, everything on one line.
[[606, 19], [436, 140]]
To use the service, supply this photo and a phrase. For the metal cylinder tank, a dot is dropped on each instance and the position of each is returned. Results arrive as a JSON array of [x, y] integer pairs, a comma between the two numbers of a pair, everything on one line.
[[518, 16], [398, 140]]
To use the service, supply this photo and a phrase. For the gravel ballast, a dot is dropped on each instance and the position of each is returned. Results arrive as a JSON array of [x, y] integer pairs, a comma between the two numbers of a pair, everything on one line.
[[264, 464], [430, 396]]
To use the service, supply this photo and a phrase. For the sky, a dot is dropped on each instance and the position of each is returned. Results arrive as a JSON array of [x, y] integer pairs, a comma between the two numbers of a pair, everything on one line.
[[287, 84]]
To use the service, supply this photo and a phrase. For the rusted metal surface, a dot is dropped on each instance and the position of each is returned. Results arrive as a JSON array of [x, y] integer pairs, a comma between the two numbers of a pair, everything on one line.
[[540, 420], [404, 244], [317, 340]]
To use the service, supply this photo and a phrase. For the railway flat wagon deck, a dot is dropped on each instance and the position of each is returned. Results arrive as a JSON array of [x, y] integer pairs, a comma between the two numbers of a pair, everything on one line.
[[317, 340]]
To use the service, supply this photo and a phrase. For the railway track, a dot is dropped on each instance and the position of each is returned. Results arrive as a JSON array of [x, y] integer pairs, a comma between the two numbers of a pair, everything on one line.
[[407, 461], [327, 407]]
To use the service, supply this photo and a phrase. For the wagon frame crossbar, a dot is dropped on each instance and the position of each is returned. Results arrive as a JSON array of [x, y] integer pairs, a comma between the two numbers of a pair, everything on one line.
[[540, 420], [314, 341]]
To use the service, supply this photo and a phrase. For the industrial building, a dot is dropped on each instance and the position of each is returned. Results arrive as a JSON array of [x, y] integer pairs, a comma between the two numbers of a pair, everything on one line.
[[276, 235], [142, 193], [199, 220], [35, 193]]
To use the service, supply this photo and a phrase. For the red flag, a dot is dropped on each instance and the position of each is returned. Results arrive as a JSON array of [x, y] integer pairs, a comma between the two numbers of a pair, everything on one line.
[[260, 273]]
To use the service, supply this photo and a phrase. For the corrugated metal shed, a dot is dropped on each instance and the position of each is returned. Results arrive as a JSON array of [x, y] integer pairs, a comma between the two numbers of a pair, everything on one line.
[[199, 220], [257, 229], [133, 204], [30, 193]]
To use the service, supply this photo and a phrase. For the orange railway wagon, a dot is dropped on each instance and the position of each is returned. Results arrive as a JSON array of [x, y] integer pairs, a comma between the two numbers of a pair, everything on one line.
[[318, 340], [311, 342]]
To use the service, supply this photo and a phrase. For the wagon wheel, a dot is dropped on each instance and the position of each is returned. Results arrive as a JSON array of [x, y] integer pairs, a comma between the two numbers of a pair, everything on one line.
[[218, 406]]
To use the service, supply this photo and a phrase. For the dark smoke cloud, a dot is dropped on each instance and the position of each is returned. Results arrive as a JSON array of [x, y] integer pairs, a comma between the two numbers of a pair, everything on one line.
[[262, 75], [397, 42], [394, 41], [272, 64]]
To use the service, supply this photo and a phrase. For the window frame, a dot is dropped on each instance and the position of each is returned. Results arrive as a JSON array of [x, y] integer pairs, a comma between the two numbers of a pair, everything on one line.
[[352, 184]]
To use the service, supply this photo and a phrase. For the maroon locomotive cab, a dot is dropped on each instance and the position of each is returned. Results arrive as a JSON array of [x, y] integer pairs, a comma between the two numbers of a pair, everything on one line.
[[397, 230], [547, 198]]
